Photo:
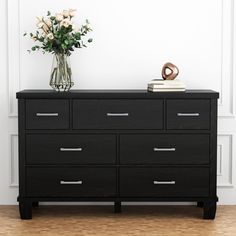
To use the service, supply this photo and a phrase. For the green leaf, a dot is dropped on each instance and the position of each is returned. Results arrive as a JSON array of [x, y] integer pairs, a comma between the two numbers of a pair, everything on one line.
[[24, 34], [77, 45], [78, 36], [49, 13], [90, 40]]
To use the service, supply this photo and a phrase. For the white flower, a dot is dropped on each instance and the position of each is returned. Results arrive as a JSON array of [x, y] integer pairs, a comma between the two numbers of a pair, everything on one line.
[[75, 27], [50, 36], [66, 23], [39, 18], [45, 28], [66, 13], [48, 22], [40, 24], [59, 17], [72, 12]]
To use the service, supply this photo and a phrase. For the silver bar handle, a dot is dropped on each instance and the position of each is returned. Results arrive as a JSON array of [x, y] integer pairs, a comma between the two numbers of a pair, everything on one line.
[[118, 114], [47, 114], [79, 182], [71, 149], [188, 114], [155, 149], [163, 182]]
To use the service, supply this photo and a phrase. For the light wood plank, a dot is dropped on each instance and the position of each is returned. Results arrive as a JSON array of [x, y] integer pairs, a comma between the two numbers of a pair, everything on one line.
[[134, 220]]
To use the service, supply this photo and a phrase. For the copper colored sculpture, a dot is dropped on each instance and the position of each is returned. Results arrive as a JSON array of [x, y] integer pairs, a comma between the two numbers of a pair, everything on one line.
[[173, 74]]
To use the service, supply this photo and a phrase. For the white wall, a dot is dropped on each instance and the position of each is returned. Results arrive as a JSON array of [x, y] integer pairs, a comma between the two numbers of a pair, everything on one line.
[[132, 40]]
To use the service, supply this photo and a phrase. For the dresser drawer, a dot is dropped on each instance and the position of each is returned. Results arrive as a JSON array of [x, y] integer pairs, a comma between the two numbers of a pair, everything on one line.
[[188, 114], [70, 182], [118, 114], [70, 149], [47, 114], [164, 149], [164, 182]]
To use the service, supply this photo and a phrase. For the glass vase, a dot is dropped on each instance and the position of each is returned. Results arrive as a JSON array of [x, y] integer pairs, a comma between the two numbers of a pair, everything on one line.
[[61, 74]]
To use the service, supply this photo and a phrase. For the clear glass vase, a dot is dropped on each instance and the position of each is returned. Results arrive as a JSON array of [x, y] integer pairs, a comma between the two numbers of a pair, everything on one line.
[[61, 74]]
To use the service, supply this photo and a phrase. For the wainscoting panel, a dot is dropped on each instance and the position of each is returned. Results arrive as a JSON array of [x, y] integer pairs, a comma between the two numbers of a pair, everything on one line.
[[13, 180], [224, 157], [13, 29]]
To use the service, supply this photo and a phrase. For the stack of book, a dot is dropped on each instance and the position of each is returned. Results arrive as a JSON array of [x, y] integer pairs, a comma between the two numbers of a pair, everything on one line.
[[160, 85]]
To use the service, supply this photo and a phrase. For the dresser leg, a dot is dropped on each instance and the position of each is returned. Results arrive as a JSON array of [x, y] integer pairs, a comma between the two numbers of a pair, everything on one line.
[[200, 204], [35, 204], [209, 210], [117, 207], [25, 208]]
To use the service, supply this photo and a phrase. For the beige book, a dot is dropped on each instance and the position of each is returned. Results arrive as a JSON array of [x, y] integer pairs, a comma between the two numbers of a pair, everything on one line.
[[166, 82], [166, 90]]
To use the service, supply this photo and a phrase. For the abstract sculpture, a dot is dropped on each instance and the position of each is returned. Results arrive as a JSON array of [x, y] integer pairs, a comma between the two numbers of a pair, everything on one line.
[[174, 71]]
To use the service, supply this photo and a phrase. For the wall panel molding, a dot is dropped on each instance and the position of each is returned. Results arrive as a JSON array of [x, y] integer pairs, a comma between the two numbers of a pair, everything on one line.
[[13, 25], [13, 160], [225, 160], [219, 160], [226, 101]]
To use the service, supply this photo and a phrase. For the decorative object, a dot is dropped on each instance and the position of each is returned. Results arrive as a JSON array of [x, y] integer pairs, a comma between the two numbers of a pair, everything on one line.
[[164, 147], [174, 71], [57, 34]]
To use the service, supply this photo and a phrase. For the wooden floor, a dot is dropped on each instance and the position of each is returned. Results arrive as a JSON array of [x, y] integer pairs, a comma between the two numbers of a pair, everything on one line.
[[134, 220]]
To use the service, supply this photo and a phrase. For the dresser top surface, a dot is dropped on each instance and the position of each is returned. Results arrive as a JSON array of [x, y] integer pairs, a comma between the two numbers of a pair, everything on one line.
[[34, 94]]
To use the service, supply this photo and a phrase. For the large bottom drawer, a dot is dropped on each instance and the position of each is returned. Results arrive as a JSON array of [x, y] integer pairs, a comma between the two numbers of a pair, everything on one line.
[[164, 182], [71, 182]]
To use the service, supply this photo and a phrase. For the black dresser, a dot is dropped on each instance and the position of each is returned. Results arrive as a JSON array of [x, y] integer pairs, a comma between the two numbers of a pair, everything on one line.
[[117, 145]]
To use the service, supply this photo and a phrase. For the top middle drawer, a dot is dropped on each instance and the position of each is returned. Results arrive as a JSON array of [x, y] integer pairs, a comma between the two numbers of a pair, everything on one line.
[[118, 114]]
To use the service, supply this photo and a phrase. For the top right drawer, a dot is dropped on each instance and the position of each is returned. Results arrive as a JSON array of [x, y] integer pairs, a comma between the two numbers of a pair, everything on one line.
[[188, 114]]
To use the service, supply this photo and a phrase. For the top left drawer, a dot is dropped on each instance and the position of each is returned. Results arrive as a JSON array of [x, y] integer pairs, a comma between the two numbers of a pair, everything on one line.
[[47, 114]]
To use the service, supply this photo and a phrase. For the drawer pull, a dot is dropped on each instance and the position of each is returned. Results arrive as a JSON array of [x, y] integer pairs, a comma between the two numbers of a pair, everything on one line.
[[164, 149], [47, 114], [188, 114], [71, 149], [117, 114], [163, 182], [71, 182]]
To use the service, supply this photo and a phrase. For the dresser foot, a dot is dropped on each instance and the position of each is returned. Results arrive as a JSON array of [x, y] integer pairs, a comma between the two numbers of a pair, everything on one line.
[[117, 207], [200, 204], [35, 204], [25, 208], [209, 210]]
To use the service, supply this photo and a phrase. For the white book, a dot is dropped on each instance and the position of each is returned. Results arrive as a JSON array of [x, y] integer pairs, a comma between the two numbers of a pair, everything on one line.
[[166, 90], [166, 82], [167, 86]]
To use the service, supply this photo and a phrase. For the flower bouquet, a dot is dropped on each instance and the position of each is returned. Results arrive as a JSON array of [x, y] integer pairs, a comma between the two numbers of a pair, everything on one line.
[[57, 34]]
